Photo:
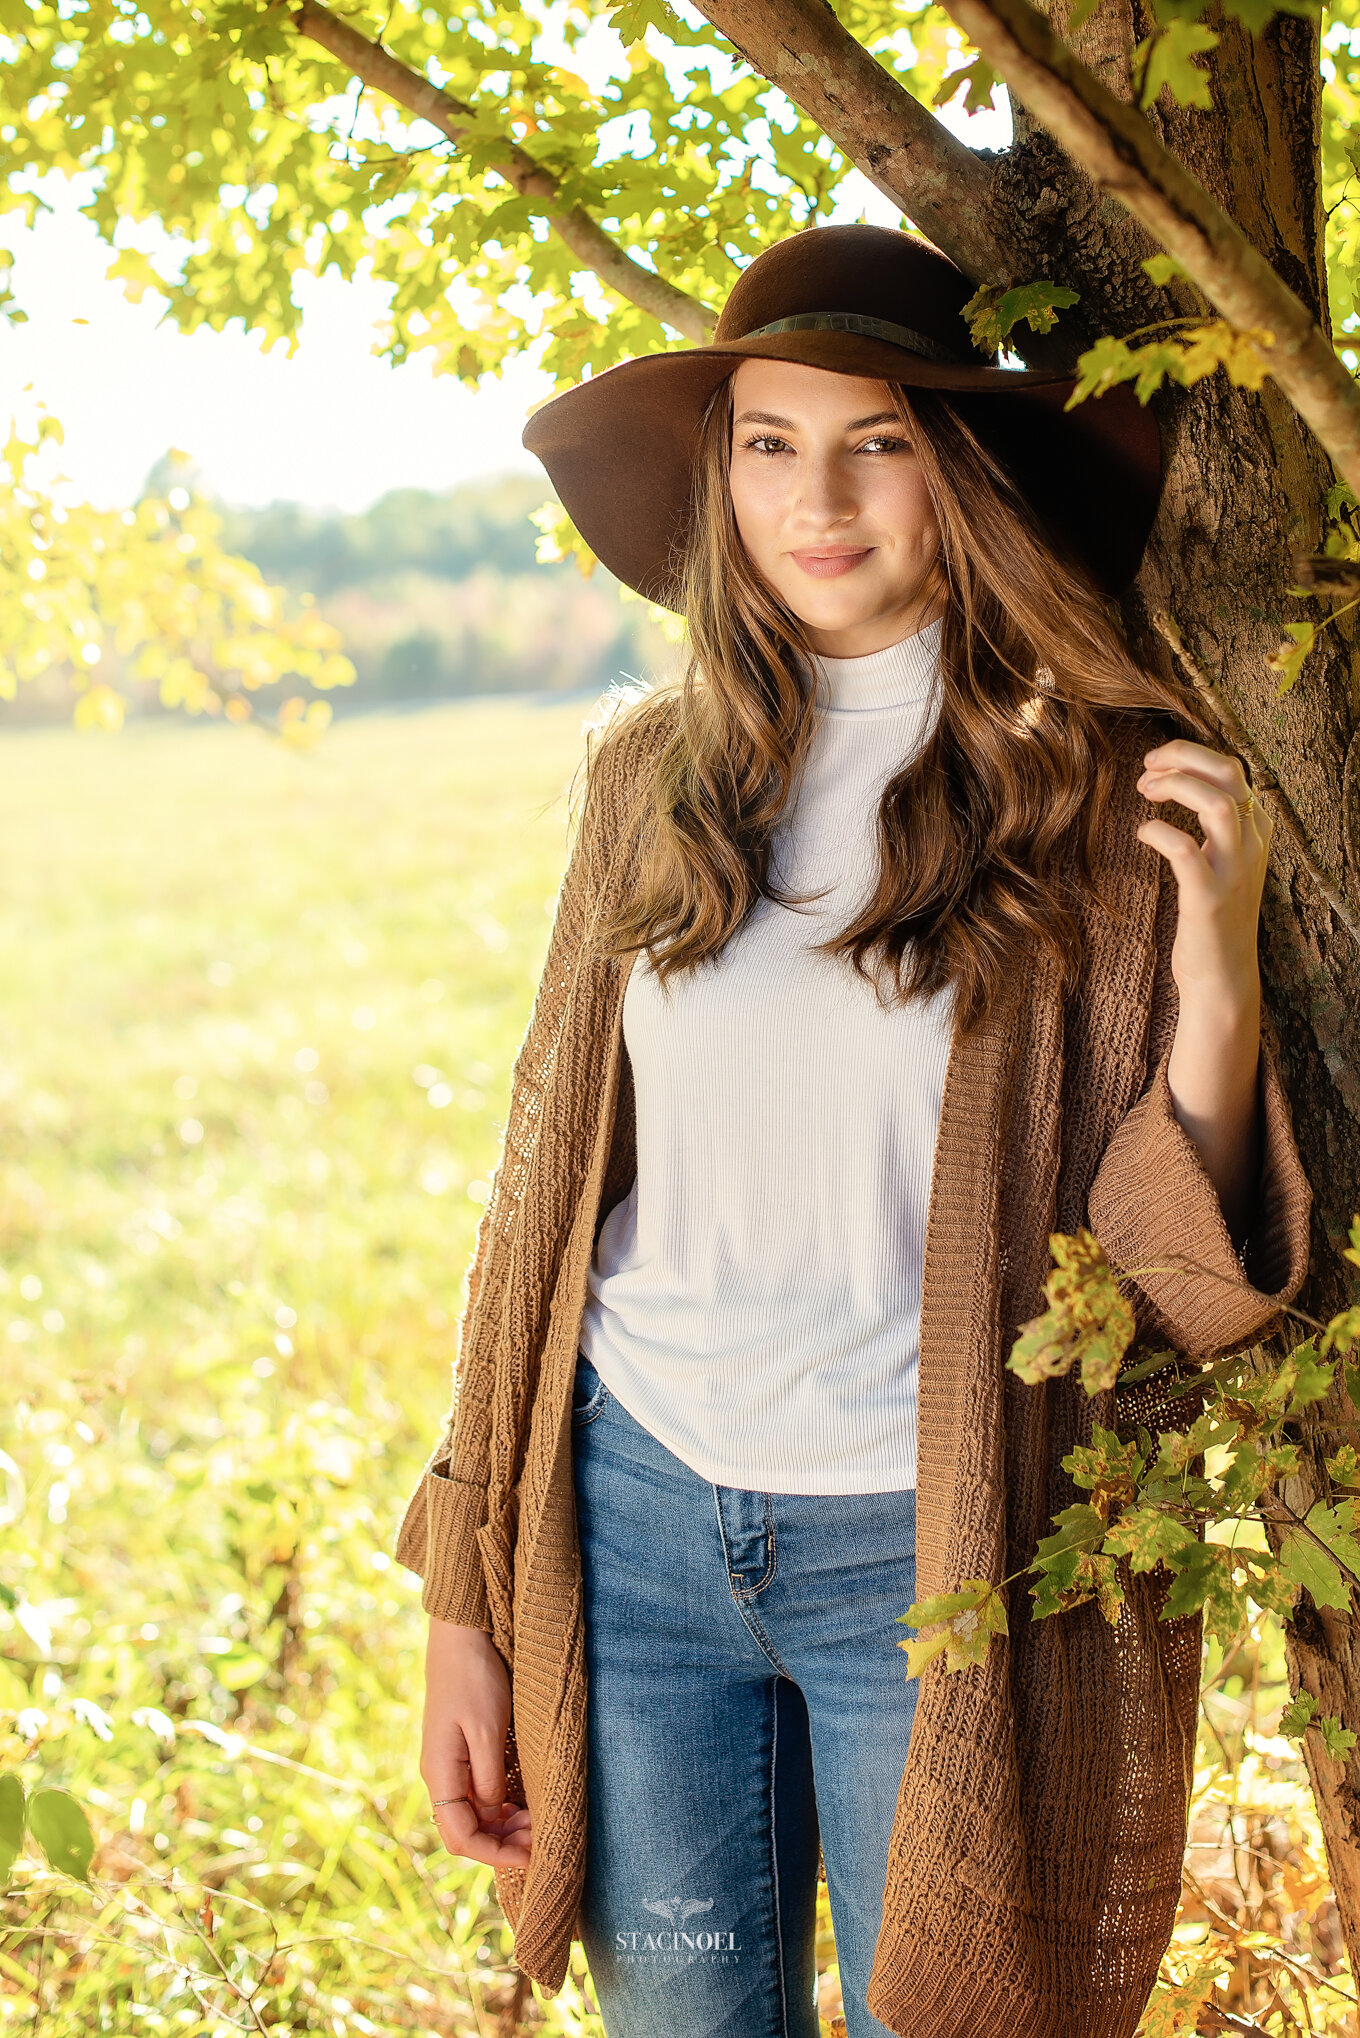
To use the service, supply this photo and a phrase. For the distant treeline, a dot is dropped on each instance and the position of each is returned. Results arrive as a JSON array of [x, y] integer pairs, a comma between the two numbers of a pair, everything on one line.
[[434, 595], [438, 595]]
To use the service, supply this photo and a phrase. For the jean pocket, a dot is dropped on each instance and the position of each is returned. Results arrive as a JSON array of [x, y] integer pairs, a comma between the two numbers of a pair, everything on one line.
[[588, 1395]]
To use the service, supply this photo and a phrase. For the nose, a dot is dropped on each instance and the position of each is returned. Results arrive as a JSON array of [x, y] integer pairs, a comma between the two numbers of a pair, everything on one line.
[[827, 495]]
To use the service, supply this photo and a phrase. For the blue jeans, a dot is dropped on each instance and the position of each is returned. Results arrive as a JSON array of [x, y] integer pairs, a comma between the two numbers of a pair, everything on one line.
[[747, 1698]]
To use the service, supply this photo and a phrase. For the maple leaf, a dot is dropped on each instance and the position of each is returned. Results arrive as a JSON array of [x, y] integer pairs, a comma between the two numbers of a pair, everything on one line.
[[1220, 345], [1288, 656], [632, 20], [1343, 1334], [1071, 1570], [1106, 1468], [1168, 61], [1344, 1466], [1306, 1565], [1301, 1713], [993, 312], [1147, 1536], [1204, 1578], [1164, 269], [1297, 1715], [1336, 1739], [1178, 1449], [980, 79], [957, 1626], [1088, 1320]]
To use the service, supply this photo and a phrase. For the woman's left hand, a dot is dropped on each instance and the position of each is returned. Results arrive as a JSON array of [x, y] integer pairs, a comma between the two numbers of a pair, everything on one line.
[[1213, 1068], [1219, 882]]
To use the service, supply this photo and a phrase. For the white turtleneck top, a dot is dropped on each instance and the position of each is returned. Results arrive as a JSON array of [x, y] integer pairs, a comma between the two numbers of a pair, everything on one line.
[[755, 1300]]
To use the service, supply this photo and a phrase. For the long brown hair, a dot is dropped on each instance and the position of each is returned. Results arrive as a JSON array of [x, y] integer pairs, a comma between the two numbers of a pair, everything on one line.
[[985, 837]]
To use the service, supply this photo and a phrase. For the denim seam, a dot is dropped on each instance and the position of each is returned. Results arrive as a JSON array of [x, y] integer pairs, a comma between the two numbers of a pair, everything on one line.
[[754, 1623], [774, 1868], [741, 1596]]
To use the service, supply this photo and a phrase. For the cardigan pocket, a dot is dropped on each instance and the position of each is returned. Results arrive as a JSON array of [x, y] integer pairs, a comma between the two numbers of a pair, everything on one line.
[[496, 1541]]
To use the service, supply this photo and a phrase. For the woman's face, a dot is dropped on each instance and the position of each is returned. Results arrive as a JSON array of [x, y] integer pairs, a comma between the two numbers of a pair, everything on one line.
[[832, 506]]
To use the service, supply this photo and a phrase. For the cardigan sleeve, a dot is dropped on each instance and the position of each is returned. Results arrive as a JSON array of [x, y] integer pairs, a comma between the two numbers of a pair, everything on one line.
[[1157, 1214], [439, 1534]]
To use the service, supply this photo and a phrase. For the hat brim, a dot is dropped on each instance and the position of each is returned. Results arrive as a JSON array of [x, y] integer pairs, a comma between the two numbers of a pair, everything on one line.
[[620, 449]]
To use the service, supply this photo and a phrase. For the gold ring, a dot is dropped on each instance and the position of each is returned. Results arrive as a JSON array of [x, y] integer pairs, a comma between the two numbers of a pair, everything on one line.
[[1247, 806], [439, 1804]]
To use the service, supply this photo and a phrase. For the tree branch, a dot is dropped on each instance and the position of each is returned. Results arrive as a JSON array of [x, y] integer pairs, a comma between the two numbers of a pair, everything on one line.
[[1118, 150], [586, 239], [904, 151]]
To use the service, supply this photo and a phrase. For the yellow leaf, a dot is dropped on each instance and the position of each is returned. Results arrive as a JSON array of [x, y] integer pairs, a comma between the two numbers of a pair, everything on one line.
[[1088, 1319], [957, 1625]]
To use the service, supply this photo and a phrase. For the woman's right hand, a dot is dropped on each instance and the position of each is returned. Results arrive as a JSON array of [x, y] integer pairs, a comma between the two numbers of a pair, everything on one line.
[[462, 1754]]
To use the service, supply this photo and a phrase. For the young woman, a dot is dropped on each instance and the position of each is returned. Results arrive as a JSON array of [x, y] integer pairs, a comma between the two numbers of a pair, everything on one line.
[[876, 963]]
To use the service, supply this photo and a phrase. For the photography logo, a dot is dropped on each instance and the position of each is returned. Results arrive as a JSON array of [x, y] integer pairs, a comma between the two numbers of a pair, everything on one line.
[[679, 1941]]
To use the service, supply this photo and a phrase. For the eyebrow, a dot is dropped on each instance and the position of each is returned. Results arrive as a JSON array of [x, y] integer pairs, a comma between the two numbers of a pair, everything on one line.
[[764, 417]]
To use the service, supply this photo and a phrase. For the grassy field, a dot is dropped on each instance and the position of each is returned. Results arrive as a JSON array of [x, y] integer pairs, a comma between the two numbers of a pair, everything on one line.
[[260, 1013], [258, 1018]]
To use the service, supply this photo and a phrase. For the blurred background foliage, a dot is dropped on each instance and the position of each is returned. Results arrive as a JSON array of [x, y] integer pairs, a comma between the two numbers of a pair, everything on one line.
[[423, 596], [253, 1061]]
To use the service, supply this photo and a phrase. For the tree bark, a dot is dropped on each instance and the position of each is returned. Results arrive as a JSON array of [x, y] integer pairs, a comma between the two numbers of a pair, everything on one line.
[[1245, 483]]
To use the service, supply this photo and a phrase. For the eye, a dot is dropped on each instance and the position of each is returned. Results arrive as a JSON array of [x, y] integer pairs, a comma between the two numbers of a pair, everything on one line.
[[884, 442], [765, 443]]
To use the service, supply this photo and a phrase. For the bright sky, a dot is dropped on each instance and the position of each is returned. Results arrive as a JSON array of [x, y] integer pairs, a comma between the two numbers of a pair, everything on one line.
[[332, 425]]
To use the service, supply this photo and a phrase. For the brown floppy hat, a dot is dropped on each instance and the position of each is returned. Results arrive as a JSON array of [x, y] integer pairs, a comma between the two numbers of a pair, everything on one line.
[[859, 300]]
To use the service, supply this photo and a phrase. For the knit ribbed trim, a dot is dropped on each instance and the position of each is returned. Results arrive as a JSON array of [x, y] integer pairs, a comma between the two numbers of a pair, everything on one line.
[[903, 673]]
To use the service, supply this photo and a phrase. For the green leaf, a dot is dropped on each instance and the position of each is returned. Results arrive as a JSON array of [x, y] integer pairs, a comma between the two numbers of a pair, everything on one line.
[[1203, 1578], [1336, 1527], [1165, 269], [1070, 1569], [632, 20], [1297, 1715], [1106, 1468], [1313, 1377], [1073, 1576], [1155, 1362], [992, 312], [239, 1667], [1336, 1739], [11, 1822], [1168, 61], [1148, 1536], [61, 1829], [1340, 497], [956, 1625], [1344, 1466], [980, 79], [1306, 1565], [1342, 1335]]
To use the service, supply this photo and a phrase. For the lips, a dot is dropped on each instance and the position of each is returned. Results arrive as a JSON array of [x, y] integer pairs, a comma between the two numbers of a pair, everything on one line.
[[829, 565]]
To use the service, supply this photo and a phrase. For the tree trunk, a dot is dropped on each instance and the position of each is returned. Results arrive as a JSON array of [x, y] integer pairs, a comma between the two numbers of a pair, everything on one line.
[[1245, 485]]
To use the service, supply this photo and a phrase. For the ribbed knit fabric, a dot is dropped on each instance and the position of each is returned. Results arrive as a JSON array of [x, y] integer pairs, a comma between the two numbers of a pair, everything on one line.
[[1040, 1826], [756, 1297]]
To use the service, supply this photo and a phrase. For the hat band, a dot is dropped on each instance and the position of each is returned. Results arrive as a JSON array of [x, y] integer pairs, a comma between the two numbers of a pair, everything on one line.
[[855, 322]]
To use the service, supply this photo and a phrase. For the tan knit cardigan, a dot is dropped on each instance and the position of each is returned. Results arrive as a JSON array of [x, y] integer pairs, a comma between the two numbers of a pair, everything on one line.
[[1040, 1825]]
